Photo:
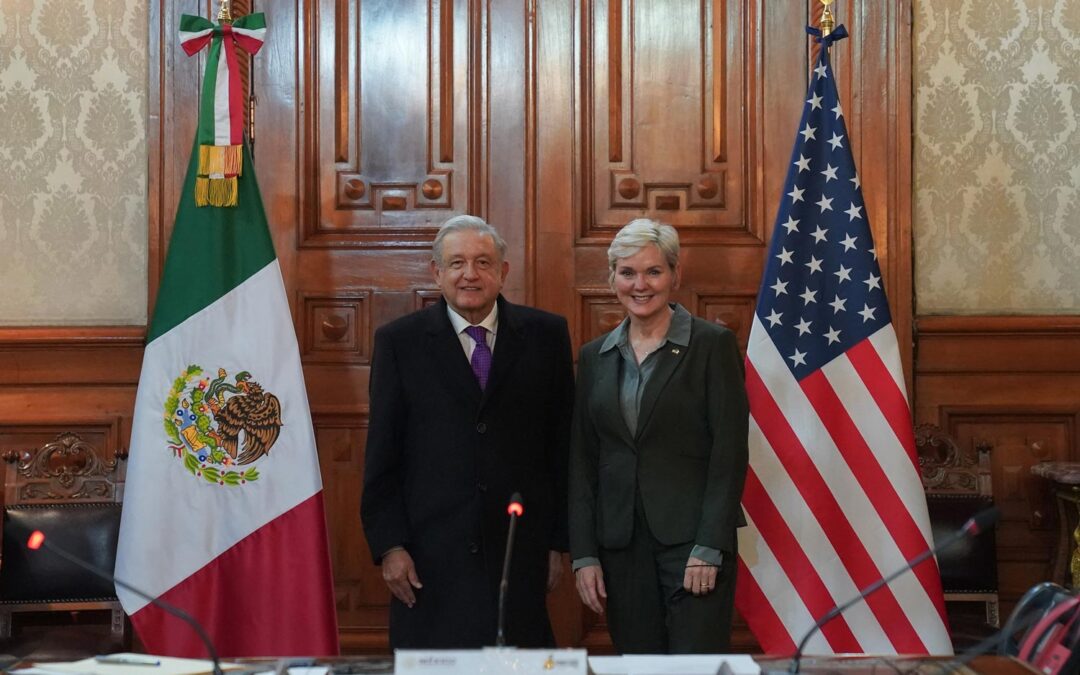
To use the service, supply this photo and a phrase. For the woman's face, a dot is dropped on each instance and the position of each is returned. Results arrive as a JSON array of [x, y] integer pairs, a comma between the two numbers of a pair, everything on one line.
[[644, 282]]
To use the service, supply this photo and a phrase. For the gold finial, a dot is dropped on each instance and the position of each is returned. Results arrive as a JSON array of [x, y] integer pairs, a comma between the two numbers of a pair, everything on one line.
[[225, 15], [827, 21]]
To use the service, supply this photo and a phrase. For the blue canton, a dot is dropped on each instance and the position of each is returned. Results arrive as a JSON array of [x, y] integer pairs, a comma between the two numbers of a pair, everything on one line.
[[821, 292]]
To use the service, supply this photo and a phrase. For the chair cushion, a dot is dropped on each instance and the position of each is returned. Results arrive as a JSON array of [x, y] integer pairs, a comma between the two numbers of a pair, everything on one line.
[[969, 565], [88, 531]]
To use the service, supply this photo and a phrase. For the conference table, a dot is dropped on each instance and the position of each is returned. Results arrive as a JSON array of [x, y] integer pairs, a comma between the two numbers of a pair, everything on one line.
[[842, 665], [811, 665]]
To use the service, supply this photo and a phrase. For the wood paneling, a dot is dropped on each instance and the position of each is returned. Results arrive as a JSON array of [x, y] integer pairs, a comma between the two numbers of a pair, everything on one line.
[[1007, 383], [558, 121]]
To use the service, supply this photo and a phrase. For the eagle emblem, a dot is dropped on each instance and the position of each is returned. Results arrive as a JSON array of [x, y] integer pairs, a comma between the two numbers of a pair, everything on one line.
[[220, 427]]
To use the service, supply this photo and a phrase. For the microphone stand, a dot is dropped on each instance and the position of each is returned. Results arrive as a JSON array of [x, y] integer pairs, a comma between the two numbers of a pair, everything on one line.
[[515, 509], [170, 608], [976, 524]]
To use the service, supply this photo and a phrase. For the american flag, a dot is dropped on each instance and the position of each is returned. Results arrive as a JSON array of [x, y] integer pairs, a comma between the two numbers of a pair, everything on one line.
[[833, 496]]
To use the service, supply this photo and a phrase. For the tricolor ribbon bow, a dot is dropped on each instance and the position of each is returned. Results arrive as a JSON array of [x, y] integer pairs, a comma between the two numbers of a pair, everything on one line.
[[221, 110]]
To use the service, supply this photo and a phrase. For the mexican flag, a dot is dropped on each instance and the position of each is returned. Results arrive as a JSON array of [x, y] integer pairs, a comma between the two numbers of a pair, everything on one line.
[[223, 508]]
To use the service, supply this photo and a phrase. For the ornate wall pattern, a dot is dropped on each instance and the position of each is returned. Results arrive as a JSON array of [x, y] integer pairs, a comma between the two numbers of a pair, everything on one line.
[[997, 156], [73, 90]]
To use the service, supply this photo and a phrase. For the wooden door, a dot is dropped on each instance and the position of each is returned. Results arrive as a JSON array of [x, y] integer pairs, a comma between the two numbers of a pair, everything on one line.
[[556, 120]]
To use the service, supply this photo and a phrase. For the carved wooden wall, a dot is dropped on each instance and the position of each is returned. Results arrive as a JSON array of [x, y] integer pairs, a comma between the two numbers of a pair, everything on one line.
[[556, 120], [1008, 383]]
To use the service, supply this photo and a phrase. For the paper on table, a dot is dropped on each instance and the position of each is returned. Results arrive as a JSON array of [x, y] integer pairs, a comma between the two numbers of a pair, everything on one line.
[[169, 666], [679, 664]]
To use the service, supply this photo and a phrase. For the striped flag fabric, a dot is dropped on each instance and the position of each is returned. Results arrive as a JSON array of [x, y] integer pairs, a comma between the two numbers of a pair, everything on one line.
[[833, 496], [223, 506]]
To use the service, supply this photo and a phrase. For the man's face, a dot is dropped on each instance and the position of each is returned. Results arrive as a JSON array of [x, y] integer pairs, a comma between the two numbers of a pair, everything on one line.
[[471, 273]]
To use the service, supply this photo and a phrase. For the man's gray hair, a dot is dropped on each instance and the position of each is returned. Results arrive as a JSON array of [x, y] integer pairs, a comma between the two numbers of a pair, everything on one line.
[[640, 233], [460, 224]]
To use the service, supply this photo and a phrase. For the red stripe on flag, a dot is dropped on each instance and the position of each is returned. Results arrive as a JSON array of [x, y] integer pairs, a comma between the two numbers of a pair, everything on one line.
[[271, 594], [885, 392], [759, 614], [874, 481], [829, 515], [796, 565], [236, 97]]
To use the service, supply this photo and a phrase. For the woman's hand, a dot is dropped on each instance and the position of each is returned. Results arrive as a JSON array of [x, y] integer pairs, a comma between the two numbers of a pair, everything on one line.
[[590, 586], [700, 576]]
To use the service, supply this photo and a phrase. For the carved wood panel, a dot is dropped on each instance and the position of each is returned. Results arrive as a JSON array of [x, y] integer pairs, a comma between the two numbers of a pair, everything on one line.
[[1017, 439], [394, 119], [664, 85]]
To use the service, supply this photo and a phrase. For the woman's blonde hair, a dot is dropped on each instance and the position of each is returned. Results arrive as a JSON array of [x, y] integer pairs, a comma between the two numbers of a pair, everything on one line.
[[639, 233]]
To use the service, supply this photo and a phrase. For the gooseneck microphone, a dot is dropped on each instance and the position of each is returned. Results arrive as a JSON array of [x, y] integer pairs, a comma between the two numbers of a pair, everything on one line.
[[516, 509], [37, 541], [980, 522]]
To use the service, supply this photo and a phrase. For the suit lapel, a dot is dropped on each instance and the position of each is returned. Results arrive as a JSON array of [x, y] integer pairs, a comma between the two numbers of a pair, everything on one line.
[[668, 359], [607, 392], [448, 357], [509, 343]]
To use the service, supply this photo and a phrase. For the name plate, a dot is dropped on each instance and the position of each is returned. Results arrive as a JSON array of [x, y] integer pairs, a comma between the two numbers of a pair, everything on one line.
[[490, 661]]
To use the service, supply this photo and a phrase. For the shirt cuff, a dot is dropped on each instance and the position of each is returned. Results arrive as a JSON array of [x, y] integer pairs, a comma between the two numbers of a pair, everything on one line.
[[585, 562], [712, 556], [390, 550]]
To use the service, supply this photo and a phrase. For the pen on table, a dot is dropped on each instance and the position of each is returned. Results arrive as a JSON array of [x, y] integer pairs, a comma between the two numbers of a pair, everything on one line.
[[128, 660]]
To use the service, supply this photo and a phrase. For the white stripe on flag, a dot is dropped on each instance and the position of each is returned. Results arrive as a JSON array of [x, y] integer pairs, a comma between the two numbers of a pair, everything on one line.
[[776, 586], [888, 349], [222, 116], [846, 490], [157, 479], [871, 423], [812, 539]]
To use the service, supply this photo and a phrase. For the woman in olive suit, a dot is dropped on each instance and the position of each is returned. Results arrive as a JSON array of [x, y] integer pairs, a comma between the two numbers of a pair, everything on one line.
[[658, 460]]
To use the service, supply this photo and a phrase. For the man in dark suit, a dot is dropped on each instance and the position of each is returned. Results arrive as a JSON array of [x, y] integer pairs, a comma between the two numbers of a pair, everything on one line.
[[470, 401]]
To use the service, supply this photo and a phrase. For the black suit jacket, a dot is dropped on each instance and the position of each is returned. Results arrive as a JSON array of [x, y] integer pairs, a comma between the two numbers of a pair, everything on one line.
[[443, 458], [688, 458]]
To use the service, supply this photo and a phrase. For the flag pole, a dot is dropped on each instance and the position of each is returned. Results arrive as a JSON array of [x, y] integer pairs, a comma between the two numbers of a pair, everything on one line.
[[827, 20]]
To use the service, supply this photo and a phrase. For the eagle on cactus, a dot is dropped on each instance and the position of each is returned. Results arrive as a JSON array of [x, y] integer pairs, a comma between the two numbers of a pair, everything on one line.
[[255, 412]]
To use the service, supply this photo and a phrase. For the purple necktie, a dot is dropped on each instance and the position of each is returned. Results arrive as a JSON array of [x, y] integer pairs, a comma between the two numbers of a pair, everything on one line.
[[481, 356]]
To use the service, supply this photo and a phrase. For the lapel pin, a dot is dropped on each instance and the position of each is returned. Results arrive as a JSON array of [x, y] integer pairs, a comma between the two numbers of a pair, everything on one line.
[[675, 350]]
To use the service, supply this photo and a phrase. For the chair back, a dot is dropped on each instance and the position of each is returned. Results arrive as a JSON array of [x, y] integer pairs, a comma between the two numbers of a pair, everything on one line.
[[73, 494]]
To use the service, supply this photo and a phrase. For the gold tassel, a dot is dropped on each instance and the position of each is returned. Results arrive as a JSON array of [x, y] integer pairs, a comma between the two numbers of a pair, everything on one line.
[[233, 160], [226, 160], [202, 191], [223, 191], [216, 191]]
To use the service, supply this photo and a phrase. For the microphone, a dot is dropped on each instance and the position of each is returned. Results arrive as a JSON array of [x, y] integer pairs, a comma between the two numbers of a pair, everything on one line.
[[516, 509], [37, 541], [977, 524]]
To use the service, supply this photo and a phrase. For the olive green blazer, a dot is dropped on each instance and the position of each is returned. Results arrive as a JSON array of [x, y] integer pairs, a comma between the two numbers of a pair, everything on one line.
[[688, 458]]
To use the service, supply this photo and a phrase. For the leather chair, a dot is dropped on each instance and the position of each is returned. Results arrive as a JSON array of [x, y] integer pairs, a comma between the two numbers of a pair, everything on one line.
[[66, 490], [958, 486]]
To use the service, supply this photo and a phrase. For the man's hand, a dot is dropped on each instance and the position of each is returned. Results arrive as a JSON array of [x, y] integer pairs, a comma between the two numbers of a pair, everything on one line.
[[700, 576], [590, 586], [555, 565], [399, 573]]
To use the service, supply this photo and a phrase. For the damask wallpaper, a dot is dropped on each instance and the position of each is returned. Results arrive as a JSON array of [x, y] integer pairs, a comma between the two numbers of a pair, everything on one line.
[[997, 156], [73, 191]]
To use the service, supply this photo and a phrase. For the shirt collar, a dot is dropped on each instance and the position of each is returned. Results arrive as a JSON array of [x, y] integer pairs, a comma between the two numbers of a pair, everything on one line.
[[678, 332], [460, 323]]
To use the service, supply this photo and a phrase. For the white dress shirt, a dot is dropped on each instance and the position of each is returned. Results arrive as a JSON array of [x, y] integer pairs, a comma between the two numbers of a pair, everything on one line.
[[460, 323]]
